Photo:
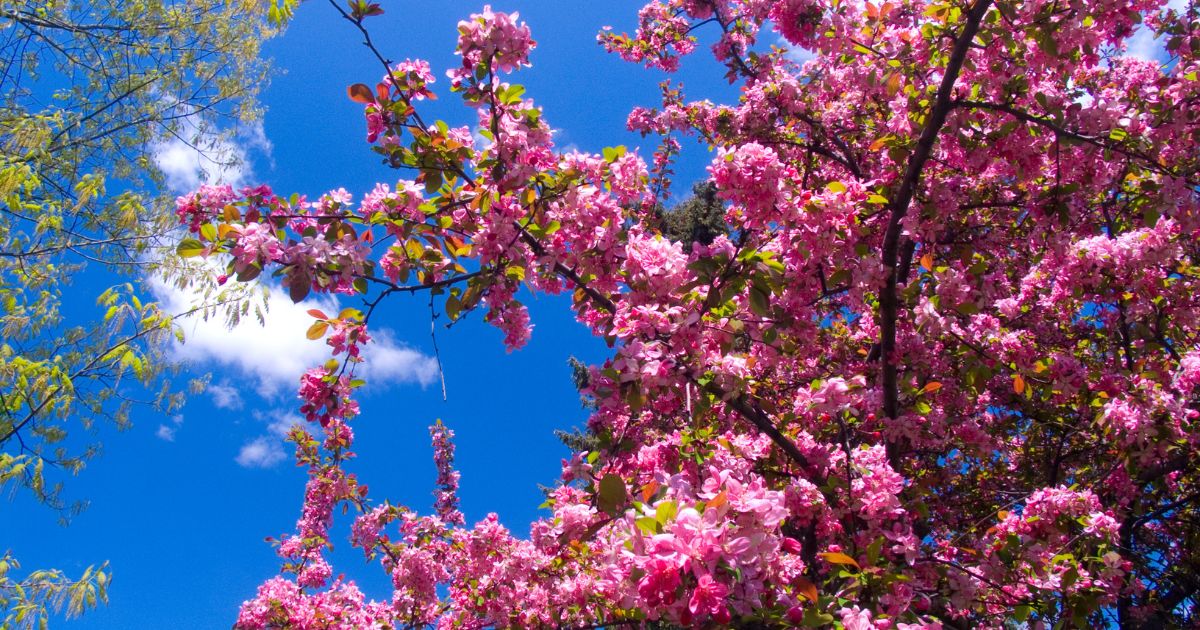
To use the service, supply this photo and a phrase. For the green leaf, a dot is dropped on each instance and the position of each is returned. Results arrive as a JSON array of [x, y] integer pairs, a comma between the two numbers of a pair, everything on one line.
[[511, 95], [189, 247], [612, 153], [648, 525], [814, 618], [433, 181], [665, 511], [612, 495], [760, 302], [453, 307]]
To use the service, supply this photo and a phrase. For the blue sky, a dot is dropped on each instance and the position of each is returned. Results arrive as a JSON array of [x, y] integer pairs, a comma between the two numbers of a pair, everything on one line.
[[180, 505]]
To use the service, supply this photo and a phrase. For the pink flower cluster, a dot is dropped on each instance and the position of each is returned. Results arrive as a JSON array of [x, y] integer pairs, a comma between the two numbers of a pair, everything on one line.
[[446, 506], [494, 40], [325, 396], [936, 365]]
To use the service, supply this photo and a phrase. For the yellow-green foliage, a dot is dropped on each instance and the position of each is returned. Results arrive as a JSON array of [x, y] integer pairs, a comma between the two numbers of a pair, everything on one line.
[[87, 87]]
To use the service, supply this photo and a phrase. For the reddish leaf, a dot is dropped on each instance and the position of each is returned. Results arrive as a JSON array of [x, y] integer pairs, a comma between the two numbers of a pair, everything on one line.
[[806, 588], [360, 93]]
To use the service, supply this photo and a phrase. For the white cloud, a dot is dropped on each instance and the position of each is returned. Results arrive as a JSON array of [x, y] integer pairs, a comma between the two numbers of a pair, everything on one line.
[[261, 452], [224, 396], [192, 155], [794, 53], [482, 142], [265, 451], [388, 361], [1144, 45], [273, 356], [167, 432], [279, 423]]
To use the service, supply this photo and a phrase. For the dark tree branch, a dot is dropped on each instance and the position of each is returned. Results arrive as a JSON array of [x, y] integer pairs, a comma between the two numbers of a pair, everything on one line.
[[889, 302]]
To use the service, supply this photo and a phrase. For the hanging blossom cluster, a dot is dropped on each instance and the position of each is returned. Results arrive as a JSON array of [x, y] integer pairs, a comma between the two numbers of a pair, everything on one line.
[[940, 370]]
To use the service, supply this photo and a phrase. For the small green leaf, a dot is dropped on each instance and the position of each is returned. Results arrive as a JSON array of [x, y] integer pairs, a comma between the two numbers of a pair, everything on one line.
[[612, 495], [760, 302], [612, 153], [648, 525], [665, 511], [189, 247]]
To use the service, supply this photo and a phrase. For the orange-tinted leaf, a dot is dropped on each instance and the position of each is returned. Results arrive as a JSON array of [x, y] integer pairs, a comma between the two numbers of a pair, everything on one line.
[[317, 330], [806, 588], [360, 93], [455, 243], [719, 500], [927, 262], [648, 491], [894, 83], [318, 313], [1018, 383], [837, 557], [931, 387]]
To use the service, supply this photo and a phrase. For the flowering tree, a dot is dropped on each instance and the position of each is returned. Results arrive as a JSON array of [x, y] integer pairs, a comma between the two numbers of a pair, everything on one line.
[[90, 90], [940, 372]]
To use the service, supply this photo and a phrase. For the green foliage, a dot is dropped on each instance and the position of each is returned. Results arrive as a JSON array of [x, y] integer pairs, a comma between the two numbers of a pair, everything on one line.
[[697, 219], [576, 439], [26, 603], [87, 90]]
